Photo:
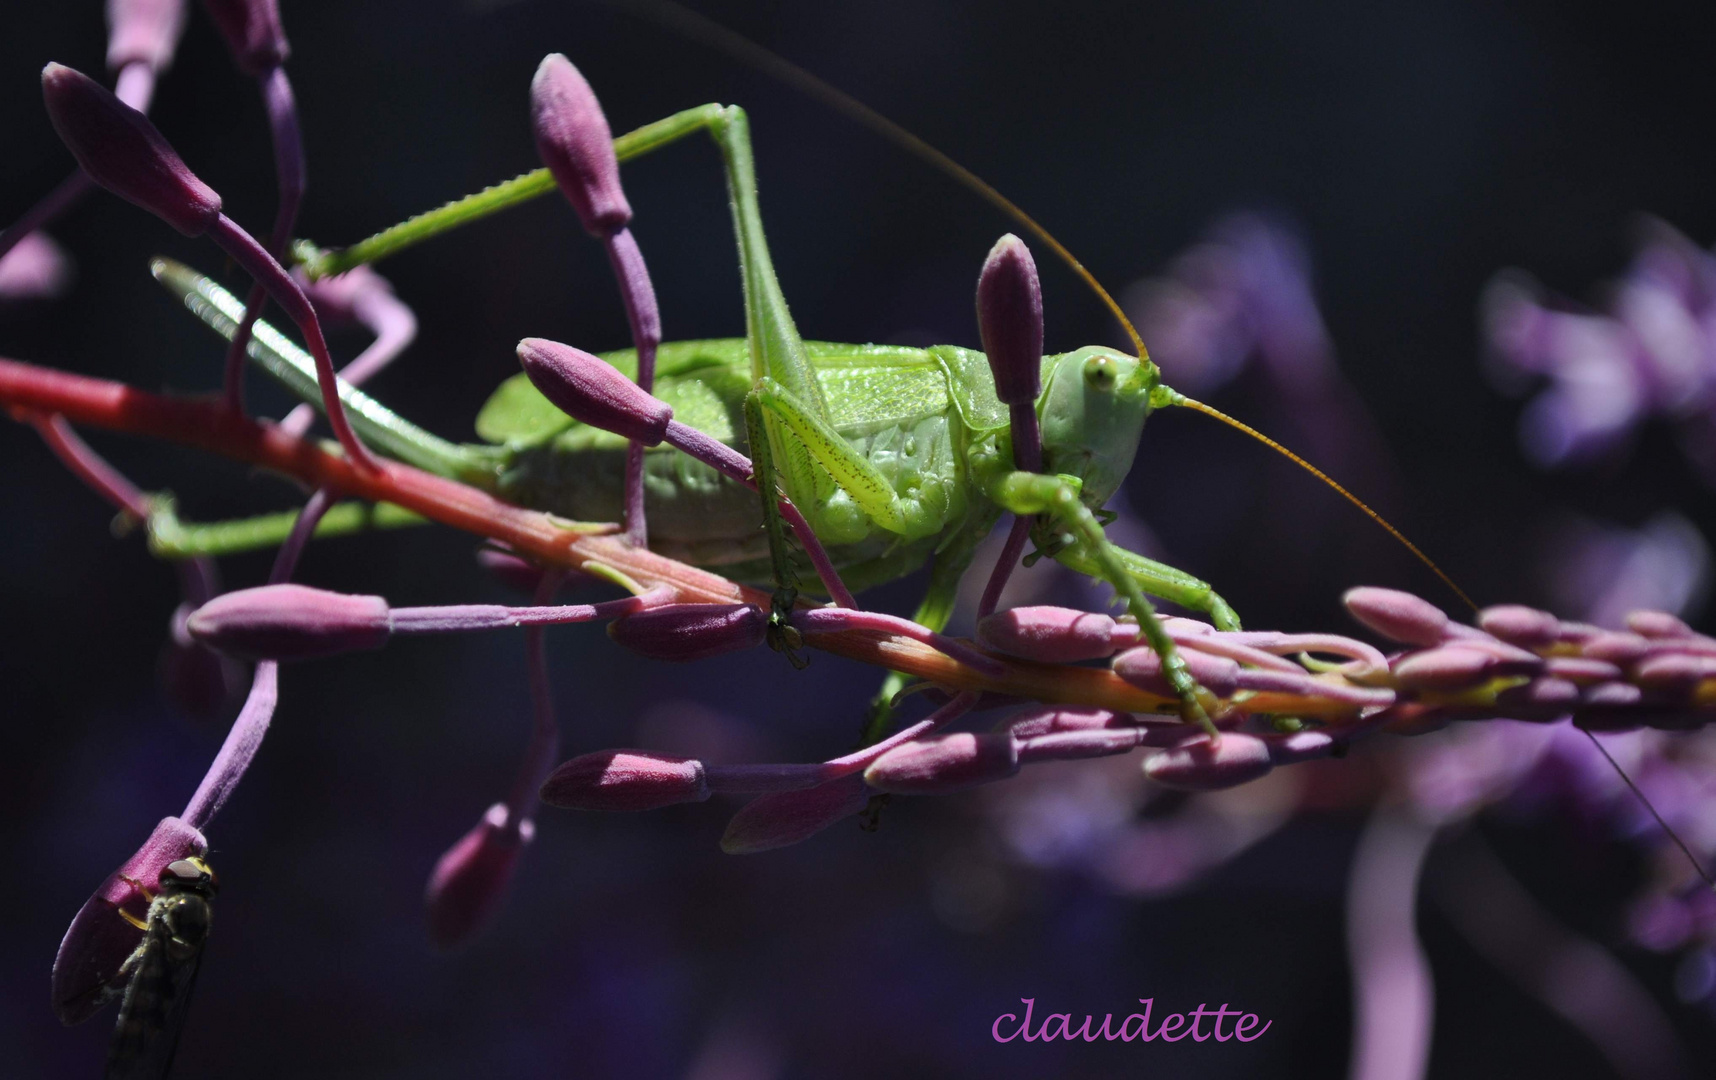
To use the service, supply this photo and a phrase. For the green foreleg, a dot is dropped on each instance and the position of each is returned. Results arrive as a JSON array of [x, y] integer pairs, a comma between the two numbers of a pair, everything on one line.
[[170, 538], [1156, 579], [1037, 493]]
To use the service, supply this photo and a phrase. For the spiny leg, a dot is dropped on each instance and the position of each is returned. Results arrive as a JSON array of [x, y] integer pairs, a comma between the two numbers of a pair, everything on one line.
[[1151, 577], [782, 636], [933, 612], [1036, 493]]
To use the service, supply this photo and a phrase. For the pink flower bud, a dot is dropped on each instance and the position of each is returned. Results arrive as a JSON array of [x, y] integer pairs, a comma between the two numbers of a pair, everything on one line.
[[469, 882], [1547, 692], [1299, 746], [121, 150], [1674, 670], [625, 780], [1010, 320], [787, 817], [691, 631], [290, 622], [143, 32], [1452, 667], [944, 764], [252, 31], [1078, 745], [573, 140], [1142, 667], [592, 392], [1047, 719], [202, 682], [100, 940], [1520, 625], [1580, 669], [1198, 765], [1397, 615], [1053, 635], [1615, 647], [1658, 625]]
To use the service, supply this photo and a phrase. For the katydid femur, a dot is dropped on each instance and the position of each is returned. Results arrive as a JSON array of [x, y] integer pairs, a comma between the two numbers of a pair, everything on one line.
[[891, 454]]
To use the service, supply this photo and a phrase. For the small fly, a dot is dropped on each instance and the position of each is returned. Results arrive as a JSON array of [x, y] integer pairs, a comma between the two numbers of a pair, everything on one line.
[[163, 970]]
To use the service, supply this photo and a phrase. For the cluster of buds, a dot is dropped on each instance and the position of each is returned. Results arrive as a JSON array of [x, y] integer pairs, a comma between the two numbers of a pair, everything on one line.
[[1279, 706]]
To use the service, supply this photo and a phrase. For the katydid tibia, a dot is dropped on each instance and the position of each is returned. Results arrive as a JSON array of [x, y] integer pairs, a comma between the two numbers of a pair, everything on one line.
[[892, 454]]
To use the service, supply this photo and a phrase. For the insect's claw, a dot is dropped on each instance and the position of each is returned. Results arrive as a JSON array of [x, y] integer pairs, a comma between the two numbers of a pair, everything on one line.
[[782, 636]]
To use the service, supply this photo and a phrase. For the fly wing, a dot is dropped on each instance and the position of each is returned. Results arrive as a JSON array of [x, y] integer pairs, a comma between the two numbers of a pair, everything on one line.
[[154, 1010]]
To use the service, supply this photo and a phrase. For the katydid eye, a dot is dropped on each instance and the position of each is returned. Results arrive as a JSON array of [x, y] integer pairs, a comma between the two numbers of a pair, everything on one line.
[[1101, 373]]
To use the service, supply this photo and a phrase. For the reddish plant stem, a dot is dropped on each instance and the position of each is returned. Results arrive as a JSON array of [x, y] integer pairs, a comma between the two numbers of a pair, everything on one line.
[[27, 389]]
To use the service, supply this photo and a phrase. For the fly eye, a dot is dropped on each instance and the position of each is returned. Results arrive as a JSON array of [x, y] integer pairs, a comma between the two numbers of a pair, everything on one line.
[[188, 874], [1101, 373]]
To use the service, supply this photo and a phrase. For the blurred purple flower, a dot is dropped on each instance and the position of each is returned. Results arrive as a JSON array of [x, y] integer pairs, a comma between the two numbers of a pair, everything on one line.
[[36, 269], [1648, 350]]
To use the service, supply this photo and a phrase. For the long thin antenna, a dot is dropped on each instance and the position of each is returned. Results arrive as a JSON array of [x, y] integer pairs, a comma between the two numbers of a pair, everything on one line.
[[1209, 410], [1697, 866], [689, 24]]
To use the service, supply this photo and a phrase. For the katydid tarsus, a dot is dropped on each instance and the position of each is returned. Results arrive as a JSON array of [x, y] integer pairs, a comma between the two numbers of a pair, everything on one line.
[[892, 454]]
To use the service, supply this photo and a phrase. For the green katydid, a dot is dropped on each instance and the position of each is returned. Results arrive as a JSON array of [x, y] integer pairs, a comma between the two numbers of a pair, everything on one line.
[[892, 454]]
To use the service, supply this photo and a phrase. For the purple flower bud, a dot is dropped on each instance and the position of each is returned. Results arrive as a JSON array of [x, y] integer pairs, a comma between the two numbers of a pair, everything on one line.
[[592, 392], [1142, 667], [1397, 615], [1580, 669], [121, 150], [1053, 635], [510, 570], [944, 764], [1658, 625], [1451, 667], [1610, 694], [290, 622], [1197, 764], [143, 32], [1520, 625], [1010, 320], [1553, 693], [202, 682], [1078, 745], [1299, 746], [625, 780], [573, 140], [787, 817], [99, 940], [1046, 719], [469, 882], [1615, 647], [1674, 670], [691, 631], [252, 31]]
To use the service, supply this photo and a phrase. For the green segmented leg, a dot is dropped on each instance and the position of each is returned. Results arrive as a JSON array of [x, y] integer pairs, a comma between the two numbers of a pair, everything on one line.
[[1039, 493], [1155, 579], [950, 565], [783, 637], [171, 538]]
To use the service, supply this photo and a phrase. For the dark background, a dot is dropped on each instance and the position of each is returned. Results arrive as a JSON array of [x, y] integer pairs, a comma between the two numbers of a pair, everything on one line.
[[1421, 147]]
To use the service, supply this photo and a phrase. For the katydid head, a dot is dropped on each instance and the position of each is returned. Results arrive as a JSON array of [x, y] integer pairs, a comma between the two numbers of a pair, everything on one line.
[[1092, 412]]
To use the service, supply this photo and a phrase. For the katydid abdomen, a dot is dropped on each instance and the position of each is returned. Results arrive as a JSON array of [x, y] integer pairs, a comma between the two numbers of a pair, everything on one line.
[[895, 405]]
